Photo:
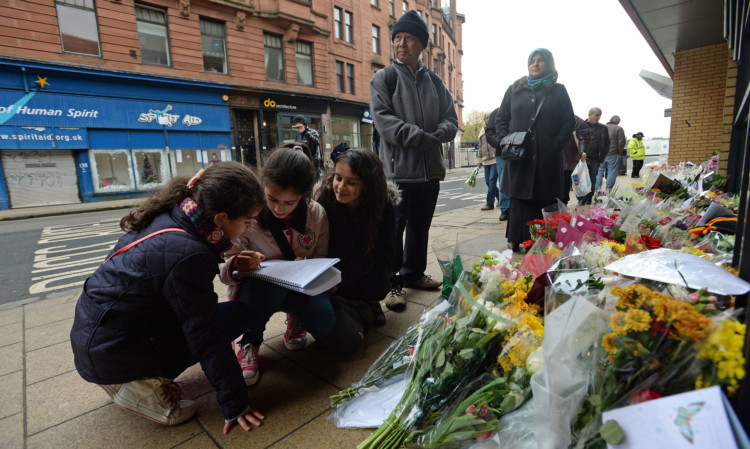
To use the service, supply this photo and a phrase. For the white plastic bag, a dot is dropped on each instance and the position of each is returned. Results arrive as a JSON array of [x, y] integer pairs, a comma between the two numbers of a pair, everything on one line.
[[581, 179]]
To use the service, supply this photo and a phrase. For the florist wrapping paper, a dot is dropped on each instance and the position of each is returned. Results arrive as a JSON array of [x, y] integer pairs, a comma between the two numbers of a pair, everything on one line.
[[582, 225], [693, 420], [566, 235], [559, 389], [674, 267]]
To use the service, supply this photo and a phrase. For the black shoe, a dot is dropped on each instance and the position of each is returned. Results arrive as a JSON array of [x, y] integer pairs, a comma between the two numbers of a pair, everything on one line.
[[378, 315], [504, 215]]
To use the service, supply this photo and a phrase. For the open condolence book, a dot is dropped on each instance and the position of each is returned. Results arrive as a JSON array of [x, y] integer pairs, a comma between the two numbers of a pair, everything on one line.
[[309, 276]]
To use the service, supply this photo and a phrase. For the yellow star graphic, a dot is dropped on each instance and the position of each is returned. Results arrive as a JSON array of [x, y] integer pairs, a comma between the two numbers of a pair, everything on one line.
[[42, 81]]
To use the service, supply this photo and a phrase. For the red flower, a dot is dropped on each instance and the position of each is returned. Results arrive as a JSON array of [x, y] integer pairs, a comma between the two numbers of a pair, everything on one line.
[[650, 242], [657, 327], [535, 221], [614, 216], [527, 243], [643, 395], [540, 231]]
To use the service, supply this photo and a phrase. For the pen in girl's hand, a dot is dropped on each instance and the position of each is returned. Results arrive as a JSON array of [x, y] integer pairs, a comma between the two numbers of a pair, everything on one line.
[[239, 240]]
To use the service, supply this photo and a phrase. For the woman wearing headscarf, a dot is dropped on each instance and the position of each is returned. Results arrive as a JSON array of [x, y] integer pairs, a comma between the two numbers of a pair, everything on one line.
[[537, 182]]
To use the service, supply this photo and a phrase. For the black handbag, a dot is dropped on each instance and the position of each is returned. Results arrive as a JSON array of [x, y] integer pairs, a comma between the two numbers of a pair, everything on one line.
[[515, 146]]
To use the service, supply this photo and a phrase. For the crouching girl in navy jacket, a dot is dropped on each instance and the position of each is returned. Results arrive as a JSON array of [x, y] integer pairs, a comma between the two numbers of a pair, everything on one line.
[[150, 311]]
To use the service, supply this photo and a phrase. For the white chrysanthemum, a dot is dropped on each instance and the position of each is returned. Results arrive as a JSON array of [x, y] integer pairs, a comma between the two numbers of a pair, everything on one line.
[[490, 279], [535, 361]]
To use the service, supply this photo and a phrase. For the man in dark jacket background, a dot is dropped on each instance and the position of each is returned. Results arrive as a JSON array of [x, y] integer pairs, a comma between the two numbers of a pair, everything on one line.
[[610, 166], [598, 149], [571, 154], [414, 115], [311, 138]]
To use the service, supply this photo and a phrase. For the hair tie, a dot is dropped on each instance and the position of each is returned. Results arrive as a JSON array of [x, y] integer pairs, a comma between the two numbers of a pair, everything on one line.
[[297, 147], [195, 178]]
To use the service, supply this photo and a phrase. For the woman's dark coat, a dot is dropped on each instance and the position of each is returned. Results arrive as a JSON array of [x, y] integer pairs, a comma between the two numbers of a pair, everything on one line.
[[145, 306], [539, 178]]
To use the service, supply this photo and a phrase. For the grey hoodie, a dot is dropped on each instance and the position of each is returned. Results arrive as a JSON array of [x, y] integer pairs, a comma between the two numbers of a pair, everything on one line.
[[416, 106]]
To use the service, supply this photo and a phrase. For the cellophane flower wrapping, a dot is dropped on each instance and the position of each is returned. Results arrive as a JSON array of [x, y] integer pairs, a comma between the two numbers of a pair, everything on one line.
[[570, 332], [539, 258], [450, 262], [471, 181]]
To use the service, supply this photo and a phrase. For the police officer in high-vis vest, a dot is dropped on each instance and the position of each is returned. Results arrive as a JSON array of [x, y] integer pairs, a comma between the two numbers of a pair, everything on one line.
[[637, 153]]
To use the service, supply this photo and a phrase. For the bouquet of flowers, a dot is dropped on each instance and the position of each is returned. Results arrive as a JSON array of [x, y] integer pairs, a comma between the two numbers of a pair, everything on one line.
[[453, 351], [475, 414], [471, 181], [651, 347]]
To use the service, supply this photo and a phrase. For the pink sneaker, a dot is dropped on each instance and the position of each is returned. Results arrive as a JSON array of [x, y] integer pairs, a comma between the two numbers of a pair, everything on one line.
[[247, 356], [295, 336]]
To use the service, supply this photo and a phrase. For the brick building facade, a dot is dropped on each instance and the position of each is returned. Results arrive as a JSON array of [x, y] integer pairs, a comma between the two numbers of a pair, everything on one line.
[[161, 88], [702, 104]]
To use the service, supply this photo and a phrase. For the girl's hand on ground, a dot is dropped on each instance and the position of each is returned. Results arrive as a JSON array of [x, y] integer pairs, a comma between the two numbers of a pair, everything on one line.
[[251, 416], [248, 260]]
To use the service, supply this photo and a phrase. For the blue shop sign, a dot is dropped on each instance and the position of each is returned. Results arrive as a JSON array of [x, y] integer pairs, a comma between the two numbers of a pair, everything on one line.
[[37, 108], [42, 138]]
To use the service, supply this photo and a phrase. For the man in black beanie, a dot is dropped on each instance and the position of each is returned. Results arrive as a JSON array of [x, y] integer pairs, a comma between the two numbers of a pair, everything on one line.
[[412, 120]]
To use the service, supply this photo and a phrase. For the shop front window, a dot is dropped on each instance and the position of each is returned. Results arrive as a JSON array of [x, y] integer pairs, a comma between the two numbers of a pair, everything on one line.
[[187, 162], [345, 129], [289, 133], [128, 170], [151, 169], [111, 170]]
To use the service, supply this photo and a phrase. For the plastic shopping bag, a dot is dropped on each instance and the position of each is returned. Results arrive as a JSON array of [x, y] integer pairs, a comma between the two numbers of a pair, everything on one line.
[[581, 179]]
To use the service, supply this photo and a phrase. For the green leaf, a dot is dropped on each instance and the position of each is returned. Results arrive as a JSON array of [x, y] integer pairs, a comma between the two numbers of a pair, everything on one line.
[[440, 359], [611, 432], [466, 353]]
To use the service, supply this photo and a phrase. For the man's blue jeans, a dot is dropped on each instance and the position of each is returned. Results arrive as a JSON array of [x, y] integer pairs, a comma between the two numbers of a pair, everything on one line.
[[504, 199], [490, 178], [608, 168]]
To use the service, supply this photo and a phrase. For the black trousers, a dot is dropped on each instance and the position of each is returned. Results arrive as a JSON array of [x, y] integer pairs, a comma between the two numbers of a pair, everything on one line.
[[414, 215], [637, 165]]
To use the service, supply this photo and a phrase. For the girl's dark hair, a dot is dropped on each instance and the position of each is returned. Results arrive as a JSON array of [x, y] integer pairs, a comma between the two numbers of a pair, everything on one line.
[[367, 166], [287, 168], [228, 187], [304, 147]]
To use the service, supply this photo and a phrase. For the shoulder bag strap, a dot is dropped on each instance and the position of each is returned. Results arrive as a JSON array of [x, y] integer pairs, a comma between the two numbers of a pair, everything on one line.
[[533, 119], [127, 247]]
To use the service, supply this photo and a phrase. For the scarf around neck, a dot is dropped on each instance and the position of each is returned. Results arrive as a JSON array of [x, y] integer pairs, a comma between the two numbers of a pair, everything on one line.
[[206, 227]]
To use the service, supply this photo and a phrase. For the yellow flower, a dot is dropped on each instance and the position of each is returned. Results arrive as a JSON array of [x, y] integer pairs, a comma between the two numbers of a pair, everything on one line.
[[619, 322], [638, 320], [608, 341]]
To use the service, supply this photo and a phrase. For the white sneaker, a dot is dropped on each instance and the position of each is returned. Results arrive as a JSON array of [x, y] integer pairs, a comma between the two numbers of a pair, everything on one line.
[[247, 356], [157, 399]]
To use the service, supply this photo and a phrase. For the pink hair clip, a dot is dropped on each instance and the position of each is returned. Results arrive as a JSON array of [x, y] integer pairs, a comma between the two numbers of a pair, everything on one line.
[[297, 147], [195, 178]]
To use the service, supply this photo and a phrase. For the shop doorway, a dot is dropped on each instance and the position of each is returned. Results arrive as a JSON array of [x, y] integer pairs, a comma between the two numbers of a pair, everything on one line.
[[40, 177], [244, 135]]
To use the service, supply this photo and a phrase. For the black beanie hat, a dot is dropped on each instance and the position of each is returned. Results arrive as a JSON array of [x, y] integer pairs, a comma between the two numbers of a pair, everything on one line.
[[411, 23], [299, 119]]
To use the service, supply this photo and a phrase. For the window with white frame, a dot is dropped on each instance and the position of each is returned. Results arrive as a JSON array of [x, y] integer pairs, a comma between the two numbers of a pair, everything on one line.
[[406, 6], [78, 29], [391, 8], [274, 57], [152, 35], [374, 3], [304, 63], [376, 39], [213, 41], [434, 34]]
